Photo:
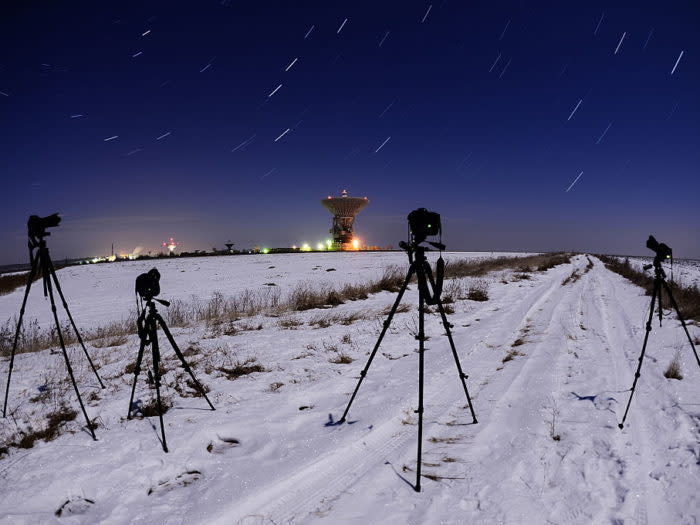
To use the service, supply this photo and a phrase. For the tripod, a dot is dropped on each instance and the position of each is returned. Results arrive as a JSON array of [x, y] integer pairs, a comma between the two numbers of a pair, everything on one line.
[[147, 323], [41, 264], [659, 281], [419, 267]]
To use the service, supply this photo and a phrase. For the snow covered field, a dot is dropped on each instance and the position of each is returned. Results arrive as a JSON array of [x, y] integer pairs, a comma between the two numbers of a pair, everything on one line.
[[685, 272], [100, 293], [549, 365]]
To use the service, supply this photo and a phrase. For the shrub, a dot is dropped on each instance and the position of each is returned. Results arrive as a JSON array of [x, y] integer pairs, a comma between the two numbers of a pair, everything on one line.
[[249, 366], [674, 369], [341, 359], [478, 291]]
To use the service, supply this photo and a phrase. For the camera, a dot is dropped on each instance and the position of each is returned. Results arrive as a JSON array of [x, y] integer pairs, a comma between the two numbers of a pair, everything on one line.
[[423, 223], [36, 226], [662, 250], [148, 284]]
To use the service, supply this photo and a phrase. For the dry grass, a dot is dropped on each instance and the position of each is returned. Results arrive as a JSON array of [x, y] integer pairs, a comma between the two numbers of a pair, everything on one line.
[[512, 354], [335, 319], [290, 323], [688, 298], [220, 312], [274, 387], [51, 431], [239, 369], [341, 359], [525, 264], [400, 309], [9, 283], [575, 276], [150, 409], [478, 291], [109, 342], [184, 386], [674, 369]]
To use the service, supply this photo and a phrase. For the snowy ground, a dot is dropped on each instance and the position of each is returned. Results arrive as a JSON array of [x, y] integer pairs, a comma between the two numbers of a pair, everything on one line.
[[546, 449]]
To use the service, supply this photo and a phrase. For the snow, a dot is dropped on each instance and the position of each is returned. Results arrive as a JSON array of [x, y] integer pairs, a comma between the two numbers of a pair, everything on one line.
[[100, 293], [685, 272], [267, 455]]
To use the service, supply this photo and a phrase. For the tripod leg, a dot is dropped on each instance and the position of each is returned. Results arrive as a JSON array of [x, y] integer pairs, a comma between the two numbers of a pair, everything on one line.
[[421, 366], [72, 322], [387, 322], [462, 375], [680, 318], [137, 370], [32, 274], [156, 376], [47, 283], [182, 358], [644, 348]]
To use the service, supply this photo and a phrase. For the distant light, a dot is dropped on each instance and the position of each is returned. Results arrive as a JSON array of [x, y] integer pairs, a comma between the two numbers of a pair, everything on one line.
[[319, 246], [266, 250], [294, 246], [356, 244], [305, 247]]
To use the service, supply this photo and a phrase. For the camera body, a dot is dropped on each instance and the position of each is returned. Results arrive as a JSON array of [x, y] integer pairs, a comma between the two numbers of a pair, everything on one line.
[[148, 284], [423, 223], [36, 226], [662, 250]]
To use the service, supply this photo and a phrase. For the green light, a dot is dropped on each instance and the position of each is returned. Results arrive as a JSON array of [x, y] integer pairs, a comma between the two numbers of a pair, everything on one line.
[[266, 250]]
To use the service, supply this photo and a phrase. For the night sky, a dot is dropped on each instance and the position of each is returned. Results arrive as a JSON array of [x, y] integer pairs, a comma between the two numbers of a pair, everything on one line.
[[484, 112]]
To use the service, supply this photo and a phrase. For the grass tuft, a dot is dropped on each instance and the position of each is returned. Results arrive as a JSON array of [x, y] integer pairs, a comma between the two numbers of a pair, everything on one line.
[[239, 369], [674, 369]]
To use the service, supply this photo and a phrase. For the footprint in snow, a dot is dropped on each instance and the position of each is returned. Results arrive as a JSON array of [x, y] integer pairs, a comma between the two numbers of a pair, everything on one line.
[[74, 506], [222, 445], [181, 480]]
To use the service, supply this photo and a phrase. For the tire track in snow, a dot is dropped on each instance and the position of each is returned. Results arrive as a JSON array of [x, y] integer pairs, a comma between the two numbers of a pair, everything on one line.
[[508, 448], [633, 443]]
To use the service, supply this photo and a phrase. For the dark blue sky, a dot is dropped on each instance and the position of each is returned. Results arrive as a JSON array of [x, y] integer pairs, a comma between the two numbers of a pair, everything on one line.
[[490, 147]]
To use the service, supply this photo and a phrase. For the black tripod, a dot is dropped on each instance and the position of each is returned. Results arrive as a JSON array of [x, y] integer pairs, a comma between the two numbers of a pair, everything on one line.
[[147, 323], [659, 281], [419, 267], [41, 264]]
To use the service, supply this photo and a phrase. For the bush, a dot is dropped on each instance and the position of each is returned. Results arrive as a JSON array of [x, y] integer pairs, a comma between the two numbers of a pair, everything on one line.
[[674, 369], [478, 291]]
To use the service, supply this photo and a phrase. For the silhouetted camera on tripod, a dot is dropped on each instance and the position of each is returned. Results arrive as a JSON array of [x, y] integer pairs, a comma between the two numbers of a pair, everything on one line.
[[42, 267], [421, 224], [148, 284], [36, 226], [663, 251], [149, 320]]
